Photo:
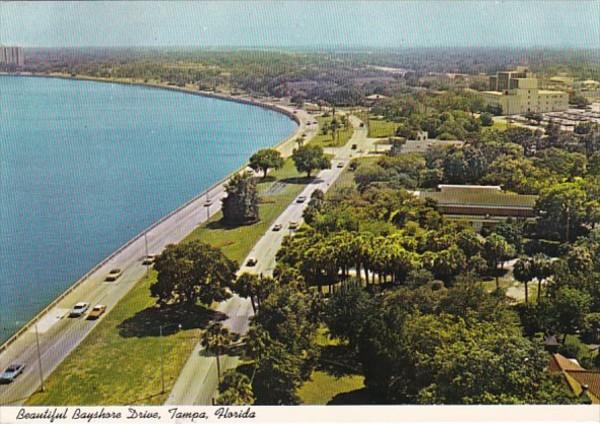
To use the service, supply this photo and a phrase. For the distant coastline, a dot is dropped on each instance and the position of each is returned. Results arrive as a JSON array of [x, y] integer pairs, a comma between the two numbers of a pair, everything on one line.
[[188, 90]]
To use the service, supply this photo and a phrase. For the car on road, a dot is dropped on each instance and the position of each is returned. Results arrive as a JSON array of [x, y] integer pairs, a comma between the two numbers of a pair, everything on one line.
[[79, 309], [293, 225], [340, 164], [251, 262], [148, 259], [114, 274], [276, 227], [301, 199], [354, 147], [96, 312], [362, 124], [11, 372]]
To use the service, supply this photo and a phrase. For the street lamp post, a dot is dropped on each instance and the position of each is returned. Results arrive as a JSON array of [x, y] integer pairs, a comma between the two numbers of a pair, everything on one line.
[[207, 204], [162, 359], [146, 257], [37, 342]]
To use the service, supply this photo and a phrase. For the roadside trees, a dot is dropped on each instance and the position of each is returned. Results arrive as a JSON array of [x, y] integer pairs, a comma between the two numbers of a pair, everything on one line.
[[241, 204], [310, 158], [214, 339], [266, 159], [248, 285], [192, 273], [235, 389]]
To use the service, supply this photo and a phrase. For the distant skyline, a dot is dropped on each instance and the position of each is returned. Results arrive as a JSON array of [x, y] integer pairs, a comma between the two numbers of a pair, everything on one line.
[[551, 24]]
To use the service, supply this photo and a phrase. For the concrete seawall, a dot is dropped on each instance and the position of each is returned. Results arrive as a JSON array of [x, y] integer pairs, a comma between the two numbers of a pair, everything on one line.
[[253, 102]]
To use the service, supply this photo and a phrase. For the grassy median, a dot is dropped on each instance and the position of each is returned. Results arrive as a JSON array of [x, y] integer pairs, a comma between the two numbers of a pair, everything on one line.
[[119, 362], [327, 140]]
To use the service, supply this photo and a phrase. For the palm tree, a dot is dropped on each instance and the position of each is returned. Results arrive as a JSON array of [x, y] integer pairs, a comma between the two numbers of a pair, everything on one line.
[[247, 285], [496, 250], [214, 339], [524, 272], [542, 269]]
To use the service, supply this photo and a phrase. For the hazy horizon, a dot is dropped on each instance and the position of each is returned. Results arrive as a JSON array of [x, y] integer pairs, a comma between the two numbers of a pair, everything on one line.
[[303, 24]]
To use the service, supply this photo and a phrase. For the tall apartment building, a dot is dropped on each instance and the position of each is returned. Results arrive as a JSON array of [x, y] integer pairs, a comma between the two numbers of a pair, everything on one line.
[[518, 92], [12, 56]]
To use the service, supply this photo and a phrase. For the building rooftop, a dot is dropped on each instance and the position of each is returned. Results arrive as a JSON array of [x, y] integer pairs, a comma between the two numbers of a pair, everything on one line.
[[479, 196], [576, 376]]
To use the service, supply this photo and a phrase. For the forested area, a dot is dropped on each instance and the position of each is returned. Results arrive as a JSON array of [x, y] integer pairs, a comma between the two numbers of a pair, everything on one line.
[[339, 77], [402, 290]]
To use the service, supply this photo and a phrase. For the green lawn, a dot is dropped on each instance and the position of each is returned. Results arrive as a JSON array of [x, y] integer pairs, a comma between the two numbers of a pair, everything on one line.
[[498, 125], [237, 242], [382, 128], [326, 140], [331, 382], [324, 387], [118, 363]]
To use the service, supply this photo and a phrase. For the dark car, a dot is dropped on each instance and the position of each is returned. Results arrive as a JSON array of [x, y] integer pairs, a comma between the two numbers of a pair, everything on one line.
[[12, 372], [354, 147], [251, 262]]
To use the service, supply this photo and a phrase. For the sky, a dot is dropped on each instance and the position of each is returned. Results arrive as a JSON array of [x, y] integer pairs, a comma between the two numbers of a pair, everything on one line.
[[384, 24]]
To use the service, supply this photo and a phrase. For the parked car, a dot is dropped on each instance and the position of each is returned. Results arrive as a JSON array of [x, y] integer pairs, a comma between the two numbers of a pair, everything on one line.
[[11, 372], [354, 147], [251, 262], [96, 312], [276, 227], [79, 309], [148, 259], [301, 199], [293, 225], [340, 164]]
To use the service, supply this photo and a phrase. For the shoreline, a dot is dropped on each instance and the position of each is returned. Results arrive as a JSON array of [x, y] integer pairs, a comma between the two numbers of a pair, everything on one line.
[[210, 94], [300, 126]]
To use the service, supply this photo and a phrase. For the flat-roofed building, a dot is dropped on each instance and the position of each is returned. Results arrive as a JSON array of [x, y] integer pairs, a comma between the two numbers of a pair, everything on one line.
[[480, 205], [517, 92], [12, 56]]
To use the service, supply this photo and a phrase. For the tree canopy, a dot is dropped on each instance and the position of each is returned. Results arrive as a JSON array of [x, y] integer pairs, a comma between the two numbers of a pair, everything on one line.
[[193, 273], [310, 158], [266, 159]]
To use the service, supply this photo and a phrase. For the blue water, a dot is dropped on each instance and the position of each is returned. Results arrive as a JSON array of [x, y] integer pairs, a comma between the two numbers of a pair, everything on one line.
[[85, 166]]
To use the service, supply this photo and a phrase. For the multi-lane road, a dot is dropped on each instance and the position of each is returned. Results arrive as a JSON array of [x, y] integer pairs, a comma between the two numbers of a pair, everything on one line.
[[58, 334], [197, 382]]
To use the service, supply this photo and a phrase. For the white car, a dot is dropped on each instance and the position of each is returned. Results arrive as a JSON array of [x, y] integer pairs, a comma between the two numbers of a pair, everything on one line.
[[79, 309], [11, 373]]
